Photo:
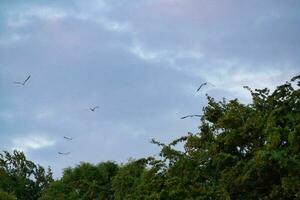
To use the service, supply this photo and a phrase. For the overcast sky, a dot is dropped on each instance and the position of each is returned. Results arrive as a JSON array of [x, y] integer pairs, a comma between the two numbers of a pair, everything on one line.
[[140, 61]]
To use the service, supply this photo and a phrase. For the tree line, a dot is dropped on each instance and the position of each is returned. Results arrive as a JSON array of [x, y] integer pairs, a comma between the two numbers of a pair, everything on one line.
[[241, 151]]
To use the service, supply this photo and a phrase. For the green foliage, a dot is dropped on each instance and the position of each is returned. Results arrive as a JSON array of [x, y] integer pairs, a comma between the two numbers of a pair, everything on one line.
[[22, 177], [6, 196], [135, 181], [241, 151], [86, 181]]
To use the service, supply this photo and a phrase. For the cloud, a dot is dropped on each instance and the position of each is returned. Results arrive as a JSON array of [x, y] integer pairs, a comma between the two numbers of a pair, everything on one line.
[[31, 142], [144, 54], [44, 114], [11, 39]]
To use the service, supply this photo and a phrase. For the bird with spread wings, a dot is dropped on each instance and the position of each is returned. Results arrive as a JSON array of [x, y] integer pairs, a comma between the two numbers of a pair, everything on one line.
[[68, 138], [24, 82], [190, 116], [93, 108], [203, 84], [64, 153]]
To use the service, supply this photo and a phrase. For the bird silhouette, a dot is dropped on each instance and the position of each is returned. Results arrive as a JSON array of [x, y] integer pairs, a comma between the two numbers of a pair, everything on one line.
[[203, 84], [190, 116], [68, 138], [93, 108], [64, 153], [24, 82]]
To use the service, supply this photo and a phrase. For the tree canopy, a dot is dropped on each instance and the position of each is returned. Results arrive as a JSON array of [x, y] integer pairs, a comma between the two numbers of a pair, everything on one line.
[[86, 181], [241, 151], [21, 177]]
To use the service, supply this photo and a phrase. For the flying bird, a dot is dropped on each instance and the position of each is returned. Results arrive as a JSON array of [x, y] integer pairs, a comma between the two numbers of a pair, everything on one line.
[[24, 82], [190, 116], [64, 153], [203, 84], [68, 138], [93, 108]]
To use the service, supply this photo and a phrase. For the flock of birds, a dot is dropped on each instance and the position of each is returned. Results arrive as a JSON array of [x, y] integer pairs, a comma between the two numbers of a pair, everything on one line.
[[93, 109]]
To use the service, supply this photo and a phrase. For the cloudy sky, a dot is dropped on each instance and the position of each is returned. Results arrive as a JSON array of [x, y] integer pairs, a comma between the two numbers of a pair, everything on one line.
[[141, 61]]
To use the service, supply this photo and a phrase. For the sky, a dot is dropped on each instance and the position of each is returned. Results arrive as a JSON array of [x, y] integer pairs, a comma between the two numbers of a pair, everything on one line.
[[140, 61]]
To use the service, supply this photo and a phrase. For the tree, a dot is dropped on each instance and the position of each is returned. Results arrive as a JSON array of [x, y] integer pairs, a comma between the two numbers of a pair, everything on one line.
[[22, 177], [6, 196], [86, 181], [128, 179], [241, 151]]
